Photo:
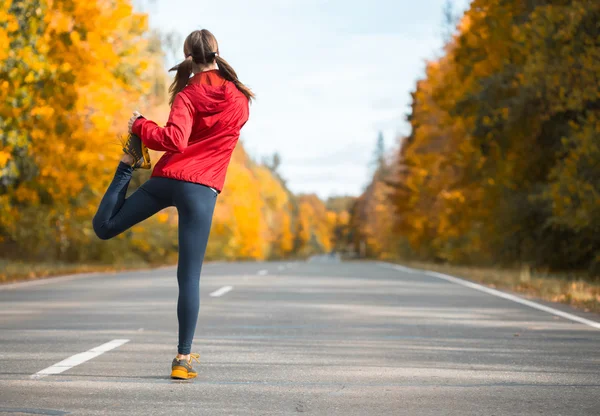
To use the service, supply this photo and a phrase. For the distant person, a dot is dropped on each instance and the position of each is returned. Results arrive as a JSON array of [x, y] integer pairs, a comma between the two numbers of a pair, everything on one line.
[[208, 110]]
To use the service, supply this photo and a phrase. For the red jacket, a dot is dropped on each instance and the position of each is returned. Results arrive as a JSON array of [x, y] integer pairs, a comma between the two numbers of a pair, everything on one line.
[[202, 131]]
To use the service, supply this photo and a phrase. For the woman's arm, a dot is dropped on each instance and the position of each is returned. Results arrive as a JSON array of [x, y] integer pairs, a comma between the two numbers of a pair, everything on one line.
[[176, 133]]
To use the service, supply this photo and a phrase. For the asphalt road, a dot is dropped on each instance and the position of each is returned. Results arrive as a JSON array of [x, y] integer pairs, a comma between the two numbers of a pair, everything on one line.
[[318, 338]]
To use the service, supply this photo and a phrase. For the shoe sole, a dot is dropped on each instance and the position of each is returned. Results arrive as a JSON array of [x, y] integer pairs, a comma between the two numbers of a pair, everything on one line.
[[144, 161], [182, 374]]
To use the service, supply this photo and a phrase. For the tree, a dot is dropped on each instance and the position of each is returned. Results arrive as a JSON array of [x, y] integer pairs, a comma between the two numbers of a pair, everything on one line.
[[451, 19], [65, 64], [498, 166], [378, 164]]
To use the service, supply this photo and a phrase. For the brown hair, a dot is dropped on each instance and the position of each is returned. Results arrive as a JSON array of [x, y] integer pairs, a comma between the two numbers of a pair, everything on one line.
[[201, 47]]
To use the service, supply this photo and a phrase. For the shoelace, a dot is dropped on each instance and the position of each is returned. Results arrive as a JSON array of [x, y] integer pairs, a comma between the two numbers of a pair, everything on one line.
[[195, 356]]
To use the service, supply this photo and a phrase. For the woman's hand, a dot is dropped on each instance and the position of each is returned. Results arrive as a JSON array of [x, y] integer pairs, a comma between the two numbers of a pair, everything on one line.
[[132, 120]]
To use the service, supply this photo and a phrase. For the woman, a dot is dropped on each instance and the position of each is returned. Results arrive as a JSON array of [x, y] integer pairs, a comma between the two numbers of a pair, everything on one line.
[[207, 112]]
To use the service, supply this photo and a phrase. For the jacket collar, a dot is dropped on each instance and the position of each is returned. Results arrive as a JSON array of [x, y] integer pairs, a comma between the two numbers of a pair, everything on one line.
[[212, 78]]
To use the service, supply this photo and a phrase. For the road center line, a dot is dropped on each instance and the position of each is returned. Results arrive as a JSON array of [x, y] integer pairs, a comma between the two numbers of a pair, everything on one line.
[[77, 359], [506, 296], [263, 272], [221, 291]]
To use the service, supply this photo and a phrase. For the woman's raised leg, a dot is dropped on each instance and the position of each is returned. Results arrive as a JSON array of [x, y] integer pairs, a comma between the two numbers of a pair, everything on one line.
[[116, 213]]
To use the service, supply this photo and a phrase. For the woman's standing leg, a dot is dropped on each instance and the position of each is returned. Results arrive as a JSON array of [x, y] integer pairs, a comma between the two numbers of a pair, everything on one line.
[[116, 214], [195, 204]]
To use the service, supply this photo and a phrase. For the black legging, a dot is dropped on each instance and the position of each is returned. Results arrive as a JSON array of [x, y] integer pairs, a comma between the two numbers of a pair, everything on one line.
[[195, 204]]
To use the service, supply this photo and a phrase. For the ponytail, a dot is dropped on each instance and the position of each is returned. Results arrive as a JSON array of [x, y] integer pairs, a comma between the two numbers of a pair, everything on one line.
[[229, 74], [184, 70], [201, 47]]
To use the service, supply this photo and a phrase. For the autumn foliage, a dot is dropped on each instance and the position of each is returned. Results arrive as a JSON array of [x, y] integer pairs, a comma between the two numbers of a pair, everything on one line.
[[71, 72], [501, 165], [257, 217]]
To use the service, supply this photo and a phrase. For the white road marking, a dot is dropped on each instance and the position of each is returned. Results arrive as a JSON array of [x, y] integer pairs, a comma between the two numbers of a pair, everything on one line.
[[263, 272], [221, 292], [516, 299], [500, 294], [400, 268], [77, 359], [280, 268]]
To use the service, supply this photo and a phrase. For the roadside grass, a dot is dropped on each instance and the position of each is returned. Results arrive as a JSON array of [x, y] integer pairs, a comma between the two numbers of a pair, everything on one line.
[[575, 290], [13, 271], [20, 271]]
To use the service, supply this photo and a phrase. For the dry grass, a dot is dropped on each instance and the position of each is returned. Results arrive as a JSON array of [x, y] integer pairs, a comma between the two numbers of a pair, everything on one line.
[[11, 271], [581, 292]]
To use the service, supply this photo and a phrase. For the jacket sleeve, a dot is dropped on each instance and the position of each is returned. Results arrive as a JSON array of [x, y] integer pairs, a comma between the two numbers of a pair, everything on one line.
[[175, 135]]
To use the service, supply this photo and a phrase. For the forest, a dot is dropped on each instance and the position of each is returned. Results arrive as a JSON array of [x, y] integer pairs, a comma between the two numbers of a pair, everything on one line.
[[70, 74], [500, 168]]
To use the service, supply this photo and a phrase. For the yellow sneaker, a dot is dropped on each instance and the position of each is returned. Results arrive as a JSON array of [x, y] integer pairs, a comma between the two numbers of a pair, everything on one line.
[[134, 147], [182, 369]]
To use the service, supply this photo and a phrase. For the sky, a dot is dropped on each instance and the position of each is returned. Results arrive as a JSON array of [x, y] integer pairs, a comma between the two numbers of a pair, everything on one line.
[[329, 75]]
